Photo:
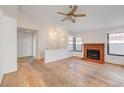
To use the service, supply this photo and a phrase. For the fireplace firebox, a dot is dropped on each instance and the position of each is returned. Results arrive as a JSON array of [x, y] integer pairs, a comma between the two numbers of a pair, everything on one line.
[[93, 54]]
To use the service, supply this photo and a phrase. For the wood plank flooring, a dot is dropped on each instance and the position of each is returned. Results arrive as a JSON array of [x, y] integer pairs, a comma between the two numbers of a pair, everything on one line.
[[70, 72]]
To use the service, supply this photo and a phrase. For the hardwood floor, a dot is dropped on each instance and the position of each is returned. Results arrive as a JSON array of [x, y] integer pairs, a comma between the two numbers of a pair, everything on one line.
[[70, 72]]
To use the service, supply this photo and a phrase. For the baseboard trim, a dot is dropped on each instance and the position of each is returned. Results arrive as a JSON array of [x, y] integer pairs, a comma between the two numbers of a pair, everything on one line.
[[63, 59], [115, 64], [54, 60], [2, 76]]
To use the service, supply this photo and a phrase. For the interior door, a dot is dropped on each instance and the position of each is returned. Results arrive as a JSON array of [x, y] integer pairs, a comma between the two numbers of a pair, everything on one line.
[[25, 44]]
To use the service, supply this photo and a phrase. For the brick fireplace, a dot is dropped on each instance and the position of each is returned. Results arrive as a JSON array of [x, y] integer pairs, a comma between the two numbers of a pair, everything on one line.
[[94, 53]]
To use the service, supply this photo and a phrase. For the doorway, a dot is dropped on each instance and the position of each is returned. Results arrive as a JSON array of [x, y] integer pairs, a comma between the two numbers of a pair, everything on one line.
[[26, 42]]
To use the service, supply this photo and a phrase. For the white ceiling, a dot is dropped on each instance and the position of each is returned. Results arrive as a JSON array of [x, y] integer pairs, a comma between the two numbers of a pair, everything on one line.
[[9, 10], [98, 16]]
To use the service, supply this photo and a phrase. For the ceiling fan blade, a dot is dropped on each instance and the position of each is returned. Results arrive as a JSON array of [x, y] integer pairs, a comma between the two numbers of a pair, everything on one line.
[[62, 13], [80, 15], [70, 18], [75, 7], [65, 18]]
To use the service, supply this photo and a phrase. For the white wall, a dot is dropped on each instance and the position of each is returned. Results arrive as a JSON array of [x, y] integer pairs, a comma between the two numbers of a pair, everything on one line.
[[8, 45], [1, 13], [43, 28], [1, 62], [100, 36], [8, 36], [57, 39], [56, 54]]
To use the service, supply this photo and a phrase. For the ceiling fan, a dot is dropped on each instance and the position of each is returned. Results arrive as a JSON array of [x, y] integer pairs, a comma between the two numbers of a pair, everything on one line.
[[72, 15]]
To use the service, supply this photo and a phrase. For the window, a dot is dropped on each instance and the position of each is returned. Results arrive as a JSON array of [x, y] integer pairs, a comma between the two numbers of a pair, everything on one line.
[[78, 44], [116, 44], [75, 44], [71, 44]]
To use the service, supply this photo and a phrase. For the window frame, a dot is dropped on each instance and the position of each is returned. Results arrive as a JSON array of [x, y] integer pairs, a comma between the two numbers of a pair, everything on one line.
[[74, 45], [108, 49], [71, 45]]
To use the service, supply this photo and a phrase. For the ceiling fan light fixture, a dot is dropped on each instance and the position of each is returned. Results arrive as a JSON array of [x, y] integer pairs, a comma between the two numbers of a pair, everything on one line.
[[70, 18], [73, 20], [72, 14]]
